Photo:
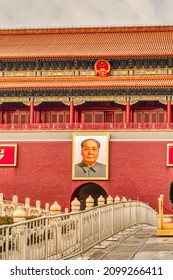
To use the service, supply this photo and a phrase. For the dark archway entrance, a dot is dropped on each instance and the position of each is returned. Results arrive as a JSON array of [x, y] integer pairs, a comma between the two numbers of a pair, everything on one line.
[[84, 190]]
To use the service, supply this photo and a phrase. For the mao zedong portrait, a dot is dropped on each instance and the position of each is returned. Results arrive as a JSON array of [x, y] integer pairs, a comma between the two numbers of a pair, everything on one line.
[[89, 166]]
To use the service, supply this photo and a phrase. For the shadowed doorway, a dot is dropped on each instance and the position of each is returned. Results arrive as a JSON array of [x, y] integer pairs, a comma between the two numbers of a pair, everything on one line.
[[84, 190]]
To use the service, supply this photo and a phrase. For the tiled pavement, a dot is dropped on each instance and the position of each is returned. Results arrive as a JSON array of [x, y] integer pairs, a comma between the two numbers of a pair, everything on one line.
[[137, 243]]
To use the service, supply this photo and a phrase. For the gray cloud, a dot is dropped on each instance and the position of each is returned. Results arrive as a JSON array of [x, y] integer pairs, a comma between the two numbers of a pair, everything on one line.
[[58, 13]]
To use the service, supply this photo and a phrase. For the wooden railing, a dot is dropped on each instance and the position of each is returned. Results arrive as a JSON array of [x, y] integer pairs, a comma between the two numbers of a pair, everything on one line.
[[85, 126], [67, 235]]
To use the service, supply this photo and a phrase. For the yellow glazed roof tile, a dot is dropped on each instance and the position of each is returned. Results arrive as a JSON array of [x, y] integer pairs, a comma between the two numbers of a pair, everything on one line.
[[87, 82], [87, 42]]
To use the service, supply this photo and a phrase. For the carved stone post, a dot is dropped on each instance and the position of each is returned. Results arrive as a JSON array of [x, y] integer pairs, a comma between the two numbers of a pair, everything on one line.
[[47, 209], [27, 206], [55, 209], [19, 215], [15, 202], [1, 204], [20, 234], [101, 200], [117, 199], [89, 202], [109, 199], [75, 205]]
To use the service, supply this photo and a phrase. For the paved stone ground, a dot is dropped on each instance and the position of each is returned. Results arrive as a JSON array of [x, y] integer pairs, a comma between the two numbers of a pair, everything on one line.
[[137, 243]]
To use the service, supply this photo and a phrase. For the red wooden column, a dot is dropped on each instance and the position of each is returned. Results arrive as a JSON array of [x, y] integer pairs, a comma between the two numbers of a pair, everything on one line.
[[1, 119], [168, 113], [127, 109], [71, 111], [38, 116], [31, 110]]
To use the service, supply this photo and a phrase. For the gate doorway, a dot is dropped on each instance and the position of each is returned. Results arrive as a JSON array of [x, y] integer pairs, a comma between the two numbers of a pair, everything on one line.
[[84, 190]]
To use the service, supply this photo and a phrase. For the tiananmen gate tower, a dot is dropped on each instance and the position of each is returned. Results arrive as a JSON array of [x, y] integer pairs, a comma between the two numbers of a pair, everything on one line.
[[59, 86]]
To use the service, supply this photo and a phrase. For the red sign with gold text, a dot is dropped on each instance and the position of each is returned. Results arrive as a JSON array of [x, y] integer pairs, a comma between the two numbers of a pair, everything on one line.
[[102, 68], [8, 154]]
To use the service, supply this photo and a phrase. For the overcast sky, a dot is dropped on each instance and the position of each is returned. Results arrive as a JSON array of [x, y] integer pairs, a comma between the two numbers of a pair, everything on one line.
[[66, 13]]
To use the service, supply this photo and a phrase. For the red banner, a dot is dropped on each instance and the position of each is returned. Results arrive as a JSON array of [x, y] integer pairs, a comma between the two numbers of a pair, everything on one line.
[[8, 154]]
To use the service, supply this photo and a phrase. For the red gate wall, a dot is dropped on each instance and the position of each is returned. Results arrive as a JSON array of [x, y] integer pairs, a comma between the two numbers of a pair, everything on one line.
[[137, 171]]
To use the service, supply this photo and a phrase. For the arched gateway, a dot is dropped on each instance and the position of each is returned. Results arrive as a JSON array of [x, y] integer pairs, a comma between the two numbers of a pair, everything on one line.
[[84, 190]]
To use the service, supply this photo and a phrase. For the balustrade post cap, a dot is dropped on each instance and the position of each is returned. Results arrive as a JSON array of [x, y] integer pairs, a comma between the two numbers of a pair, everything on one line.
[[27, 201], [19, 215], [75, 205], [101, 198], [15, 199], [117, 199], [75, 202], [89, 199], [109, 199], [55, 206], [1, 197], [19, 212], [46, 206], [89, 202]]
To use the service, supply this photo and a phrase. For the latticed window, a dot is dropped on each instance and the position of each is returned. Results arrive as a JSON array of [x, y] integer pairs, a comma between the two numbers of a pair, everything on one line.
[[54, 118], [109, 117], [46, 118], [67, 118], [8, 118], [16, 118], [139, 117], [61, 118], [146, 117], [88, 118], [119, 117], [98, 118], [161, 117], [23, 118], [154, 117]]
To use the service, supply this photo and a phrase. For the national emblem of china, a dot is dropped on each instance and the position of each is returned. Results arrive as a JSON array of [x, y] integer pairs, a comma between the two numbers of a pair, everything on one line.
[[102, 68]]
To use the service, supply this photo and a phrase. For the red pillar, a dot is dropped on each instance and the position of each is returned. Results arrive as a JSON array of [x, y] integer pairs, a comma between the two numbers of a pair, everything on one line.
[[38, 117], [127, 110], [31, 111], [71, 112], [168, 115], [1, 119]]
